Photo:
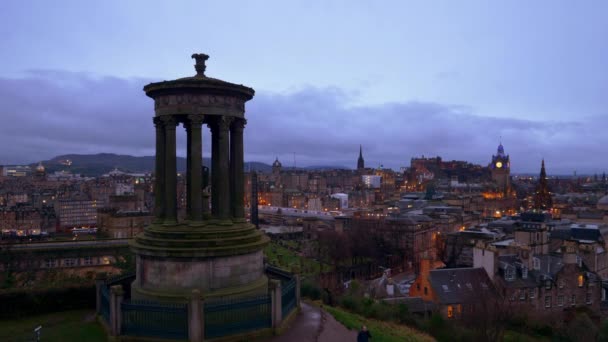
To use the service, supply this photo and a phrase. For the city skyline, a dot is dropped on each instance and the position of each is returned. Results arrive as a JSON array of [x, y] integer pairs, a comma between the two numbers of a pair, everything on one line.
[[328, 77]]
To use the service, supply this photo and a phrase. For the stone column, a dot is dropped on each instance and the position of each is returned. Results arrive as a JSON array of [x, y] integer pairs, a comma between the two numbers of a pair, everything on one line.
[[223, 180], [170, 170], [237, 184], [195, 168], [275, 302], [188, 166], [215, 174], [159, 179], [100, 281], [196, 328], [116, 295]]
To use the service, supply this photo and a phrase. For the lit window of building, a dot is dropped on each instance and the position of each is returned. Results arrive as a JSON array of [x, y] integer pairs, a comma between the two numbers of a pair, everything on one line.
[[581, 280], [450, 311]]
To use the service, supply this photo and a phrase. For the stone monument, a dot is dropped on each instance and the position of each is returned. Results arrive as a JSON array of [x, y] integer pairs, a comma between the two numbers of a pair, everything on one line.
[[214, 251]]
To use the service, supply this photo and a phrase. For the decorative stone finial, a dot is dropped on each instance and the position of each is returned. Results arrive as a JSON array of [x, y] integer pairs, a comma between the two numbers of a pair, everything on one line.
[[200, 66]]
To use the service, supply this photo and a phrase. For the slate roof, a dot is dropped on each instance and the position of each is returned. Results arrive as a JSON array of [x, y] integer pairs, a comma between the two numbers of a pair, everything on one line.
[[577, 233], [459, 285]]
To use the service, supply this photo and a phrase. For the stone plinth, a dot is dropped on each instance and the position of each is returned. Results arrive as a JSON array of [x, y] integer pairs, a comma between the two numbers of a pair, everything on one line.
[[218, 260]]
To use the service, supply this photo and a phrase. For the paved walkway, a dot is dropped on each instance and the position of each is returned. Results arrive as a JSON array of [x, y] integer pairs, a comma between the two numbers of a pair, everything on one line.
[[316, 325]]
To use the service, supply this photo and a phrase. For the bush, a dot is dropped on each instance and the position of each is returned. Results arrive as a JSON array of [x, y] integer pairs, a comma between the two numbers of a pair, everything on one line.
[[19, 303], [351, 304], [311, 291]]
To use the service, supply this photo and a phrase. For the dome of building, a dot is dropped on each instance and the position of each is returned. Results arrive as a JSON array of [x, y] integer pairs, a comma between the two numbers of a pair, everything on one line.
[[40, 168], [602, 203], [276, 163]]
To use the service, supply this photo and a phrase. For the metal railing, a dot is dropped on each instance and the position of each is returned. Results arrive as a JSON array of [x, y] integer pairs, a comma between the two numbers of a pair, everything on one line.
[[140, 318], [239, 315], [288, 297]]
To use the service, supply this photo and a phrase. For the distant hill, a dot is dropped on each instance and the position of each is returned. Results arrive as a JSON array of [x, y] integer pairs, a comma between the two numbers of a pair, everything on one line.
[[98, 164], [94, 165]]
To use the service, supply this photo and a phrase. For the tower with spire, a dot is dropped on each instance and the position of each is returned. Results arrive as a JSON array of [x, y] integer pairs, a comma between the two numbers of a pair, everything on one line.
[[500, 168], [360, 161], [542, 196]]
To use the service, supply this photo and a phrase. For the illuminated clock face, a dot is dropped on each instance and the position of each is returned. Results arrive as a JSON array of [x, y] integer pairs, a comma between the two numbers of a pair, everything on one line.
[[499, 164]]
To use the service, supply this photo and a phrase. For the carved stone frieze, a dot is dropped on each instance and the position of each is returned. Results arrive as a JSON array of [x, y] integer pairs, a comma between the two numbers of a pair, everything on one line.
[[229, 102]]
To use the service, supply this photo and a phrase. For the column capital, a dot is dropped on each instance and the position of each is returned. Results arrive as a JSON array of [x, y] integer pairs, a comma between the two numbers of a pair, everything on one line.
[[169, 121], [196, 119], [157, 122], [238, 124], [224, 123]]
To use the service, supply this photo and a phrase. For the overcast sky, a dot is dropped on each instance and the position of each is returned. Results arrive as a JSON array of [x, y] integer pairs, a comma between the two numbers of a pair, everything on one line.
[[402, 78]]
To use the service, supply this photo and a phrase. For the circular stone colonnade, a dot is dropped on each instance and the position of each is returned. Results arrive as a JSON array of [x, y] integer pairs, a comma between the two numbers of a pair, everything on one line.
[[214, 251]]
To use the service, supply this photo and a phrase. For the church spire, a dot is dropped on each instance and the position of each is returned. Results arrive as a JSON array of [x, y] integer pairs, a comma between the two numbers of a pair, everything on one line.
[[542, 197], [360, 161]]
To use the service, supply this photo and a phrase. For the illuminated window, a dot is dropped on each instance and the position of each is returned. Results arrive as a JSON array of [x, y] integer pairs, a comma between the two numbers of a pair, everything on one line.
[[450, 311], [581, 280]]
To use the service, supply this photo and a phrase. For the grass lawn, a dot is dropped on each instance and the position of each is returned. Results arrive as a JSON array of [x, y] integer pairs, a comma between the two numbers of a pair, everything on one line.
[[381, 331], [514, 336], [287, 259], [78, 325]]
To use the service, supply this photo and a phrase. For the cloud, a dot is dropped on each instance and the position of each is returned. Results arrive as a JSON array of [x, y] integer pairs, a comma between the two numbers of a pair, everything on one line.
[[47, 113]]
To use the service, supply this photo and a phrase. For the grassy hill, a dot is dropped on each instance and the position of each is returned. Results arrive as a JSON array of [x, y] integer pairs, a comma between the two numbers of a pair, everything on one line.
[[98, 164]]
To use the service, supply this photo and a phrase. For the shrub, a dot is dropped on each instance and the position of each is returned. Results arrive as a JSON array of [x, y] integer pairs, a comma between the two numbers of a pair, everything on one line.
[[18, 303], [311, 291]]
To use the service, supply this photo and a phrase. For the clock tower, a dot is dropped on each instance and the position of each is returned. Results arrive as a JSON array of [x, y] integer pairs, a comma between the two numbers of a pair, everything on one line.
[[500, 168]]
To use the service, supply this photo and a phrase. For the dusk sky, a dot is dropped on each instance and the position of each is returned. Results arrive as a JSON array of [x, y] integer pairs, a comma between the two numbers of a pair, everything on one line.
[[402, 78]]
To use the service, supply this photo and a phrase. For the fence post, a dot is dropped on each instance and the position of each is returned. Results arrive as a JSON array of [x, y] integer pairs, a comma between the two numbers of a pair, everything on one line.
[[298, 290], [100, 279], [116, 294], [275, 297], [195, 317]]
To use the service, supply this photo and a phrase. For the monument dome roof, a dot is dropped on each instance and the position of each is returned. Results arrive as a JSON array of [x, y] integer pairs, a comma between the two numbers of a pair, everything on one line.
[[199, 83]]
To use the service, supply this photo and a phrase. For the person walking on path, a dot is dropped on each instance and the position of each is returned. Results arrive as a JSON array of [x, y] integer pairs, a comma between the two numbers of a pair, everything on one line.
[[363, 335]]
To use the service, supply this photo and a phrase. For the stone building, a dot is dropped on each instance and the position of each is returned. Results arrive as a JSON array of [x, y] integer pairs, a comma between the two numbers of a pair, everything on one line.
[[452, 291], [76, 211]]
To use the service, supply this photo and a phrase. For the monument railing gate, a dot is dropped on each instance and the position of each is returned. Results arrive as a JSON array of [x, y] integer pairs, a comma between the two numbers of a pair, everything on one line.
[[141, 318], [224, 317], [218, 317]]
